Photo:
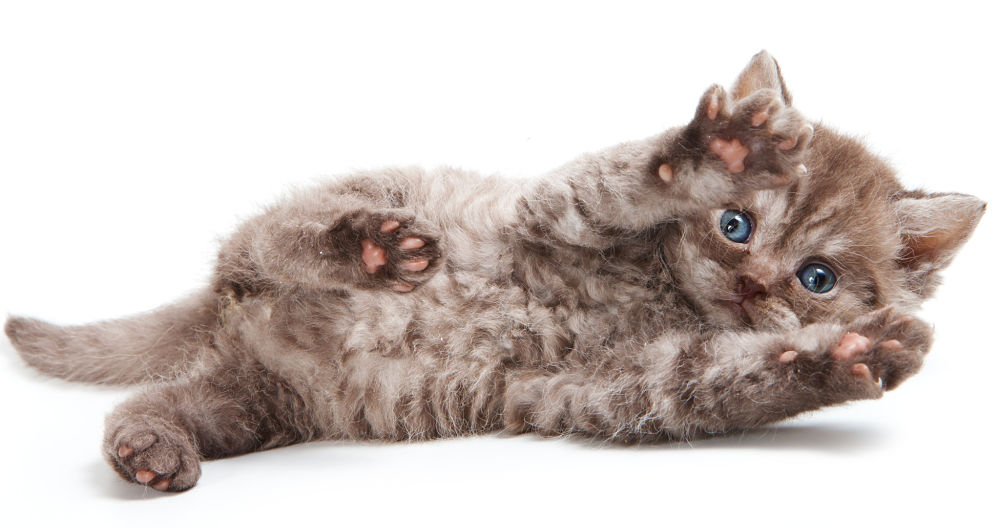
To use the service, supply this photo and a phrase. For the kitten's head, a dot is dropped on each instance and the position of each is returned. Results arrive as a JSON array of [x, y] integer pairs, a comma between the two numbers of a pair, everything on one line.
[[840, 242]]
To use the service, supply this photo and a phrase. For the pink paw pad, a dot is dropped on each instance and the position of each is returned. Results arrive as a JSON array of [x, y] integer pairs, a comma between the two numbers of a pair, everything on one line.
[[787, 356], [411, 243], [861, 370], [417, 264], [396, 255], [759, 117], [731, 152], [712, 112], [373, 256], [666, 173], [892, 344], [158, 458], [850, 345]]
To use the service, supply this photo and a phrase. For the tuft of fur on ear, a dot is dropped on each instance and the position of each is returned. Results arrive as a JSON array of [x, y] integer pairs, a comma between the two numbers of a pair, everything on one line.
[[762, 72], [933, 227]]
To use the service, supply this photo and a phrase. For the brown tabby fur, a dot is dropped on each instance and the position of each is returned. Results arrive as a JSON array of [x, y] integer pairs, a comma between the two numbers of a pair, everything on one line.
[[599, 299]]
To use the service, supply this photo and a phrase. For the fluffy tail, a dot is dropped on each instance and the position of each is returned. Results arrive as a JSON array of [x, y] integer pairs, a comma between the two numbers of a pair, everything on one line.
[[135, 349]]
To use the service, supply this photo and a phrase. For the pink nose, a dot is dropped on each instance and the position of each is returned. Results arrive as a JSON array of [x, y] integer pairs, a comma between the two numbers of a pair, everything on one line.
[[748, 289]]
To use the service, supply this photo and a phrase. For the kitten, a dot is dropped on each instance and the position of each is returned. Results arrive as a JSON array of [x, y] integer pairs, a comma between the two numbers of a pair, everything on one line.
[[719, 276]]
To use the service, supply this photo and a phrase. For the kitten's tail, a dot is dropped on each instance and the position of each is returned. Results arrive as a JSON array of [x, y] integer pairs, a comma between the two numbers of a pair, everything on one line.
[[143, 347]]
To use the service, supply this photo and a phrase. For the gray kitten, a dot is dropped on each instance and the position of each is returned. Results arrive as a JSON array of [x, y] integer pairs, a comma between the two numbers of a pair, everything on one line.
[[719, 276]]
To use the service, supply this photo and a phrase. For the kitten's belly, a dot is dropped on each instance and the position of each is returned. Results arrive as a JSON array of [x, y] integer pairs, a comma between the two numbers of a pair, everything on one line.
[[365, 360]]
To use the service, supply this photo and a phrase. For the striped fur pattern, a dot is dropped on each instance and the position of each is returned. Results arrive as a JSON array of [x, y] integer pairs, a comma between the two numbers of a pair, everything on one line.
[[601, 298]]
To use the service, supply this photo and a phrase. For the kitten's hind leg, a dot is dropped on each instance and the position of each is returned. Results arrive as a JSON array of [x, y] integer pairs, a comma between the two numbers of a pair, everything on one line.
[[326, 244], [158, 438], [392, 249]]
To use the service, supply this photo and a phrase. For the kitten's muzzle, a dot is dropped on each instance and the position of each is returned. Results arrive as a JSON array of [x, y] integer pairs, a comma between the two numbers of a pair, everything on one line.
[[748, 290]]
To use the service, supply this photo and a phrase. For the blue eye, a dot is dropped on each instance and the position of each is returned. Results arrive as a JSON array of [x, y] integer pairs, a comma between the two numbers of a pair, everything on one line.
[[817, 278], [736, 226]]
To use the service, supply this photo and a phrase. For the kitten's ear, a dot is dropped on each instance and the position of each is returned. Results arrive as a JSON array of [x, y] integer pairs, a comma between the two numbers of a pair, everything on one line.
[[933, 228], [762, 72]]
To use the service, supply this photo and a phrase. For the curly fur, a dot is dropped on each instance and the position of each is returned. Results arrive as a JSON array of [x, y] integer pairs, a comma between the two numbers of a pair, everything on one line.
[[600, 298]]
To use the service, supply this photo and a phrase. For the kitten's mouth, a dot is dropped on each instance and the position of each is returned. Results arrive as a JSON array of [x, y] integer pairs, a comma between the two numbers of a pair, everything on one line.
[[741, 303], [740, 308]]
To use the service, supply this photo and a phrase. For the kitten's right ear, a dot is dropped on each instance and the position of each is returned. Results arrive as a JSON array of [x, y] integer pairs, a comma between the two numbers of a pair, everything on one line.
[[933, 227], [762, 72]]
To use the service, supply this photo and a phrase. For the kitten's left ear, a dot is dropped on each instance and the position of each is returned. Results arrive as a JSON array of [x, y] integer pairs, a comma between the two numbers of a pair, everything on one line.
[[762, 72], [933, 228]]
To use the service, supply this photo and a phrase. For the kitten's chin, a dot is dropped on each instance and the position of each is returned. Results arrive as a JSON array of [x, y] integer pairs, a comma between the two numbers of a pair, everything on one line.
[[740, 312], [728, 314]]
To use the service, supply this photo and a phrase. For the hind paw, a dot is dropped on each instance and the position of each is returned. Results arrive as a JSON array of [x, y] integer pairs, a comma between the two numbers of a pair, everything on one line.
[[155, 454], [396, 253]]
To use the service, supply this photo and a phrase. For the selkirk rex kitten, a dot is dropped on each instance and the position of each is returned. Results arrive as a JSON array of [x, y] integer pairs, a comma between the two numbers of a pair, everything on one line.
[[719, 276]]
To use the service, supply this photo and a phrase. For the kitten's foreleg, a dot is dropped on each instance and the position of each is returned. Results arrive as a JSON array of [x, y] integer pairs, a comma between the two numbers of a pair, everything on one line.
[[158, 438], [728, 149], [739, 381], [691, 386]]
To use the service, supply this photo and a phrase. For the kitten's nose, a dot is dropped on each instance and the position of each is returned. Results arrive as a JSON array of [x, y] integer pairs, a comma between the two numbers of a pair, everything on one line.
[[748, 289]]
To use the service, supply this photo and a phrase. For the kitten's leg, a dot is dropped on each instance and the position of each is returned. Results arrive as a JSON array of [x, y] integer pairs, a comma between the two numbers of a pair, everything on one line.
[[729, 148], [686, 387], [396, 252], [338, 242], [158, 438], [738, 382]]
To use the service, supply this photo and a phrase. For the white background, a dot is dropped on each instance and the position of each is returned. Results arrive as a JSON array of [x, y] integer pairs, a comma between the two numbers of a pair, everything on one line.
[[134, 136]]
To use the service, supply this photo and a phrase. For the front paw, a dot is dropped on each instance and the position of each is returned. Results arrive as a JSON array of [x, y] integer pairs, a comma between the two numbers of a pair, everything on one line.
[[758, 141], [874, 354], [885, 346]]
